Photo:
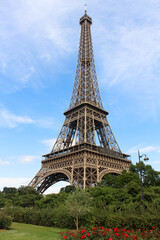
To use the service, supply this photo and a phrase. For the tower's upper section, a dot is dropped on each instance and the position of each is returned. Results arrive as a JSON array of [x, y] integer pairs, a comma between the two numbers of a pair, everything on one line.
[[85, 88], [85, 18]]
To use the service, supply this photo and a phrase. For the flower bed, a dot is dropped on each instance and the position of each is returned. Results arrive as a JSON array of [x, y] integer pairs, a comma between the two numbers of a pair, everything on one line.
[[111, 234]]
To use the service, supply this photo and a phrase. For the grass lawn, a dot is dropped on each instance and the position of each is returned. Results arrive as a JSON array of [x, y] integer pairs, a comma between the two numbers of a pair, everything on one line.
[[20, 231]]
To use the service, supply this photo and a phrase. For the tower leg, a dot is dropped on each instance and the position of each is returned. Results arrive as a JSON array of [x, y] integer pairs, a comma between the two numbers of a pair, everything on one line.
[[97, 172], [71, 183], [84, 178]]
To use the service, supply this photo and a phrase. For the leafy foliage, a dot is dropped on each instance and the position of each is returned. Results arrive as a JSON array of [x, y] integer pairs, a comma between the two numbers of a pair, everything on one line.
[[78, 204], [150, 177], [5, 220], [116, 201]]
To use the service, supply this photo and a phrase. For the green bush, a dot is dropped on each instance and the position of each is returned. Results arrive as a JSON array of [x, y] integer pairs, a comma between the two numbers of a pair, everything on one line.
[[5, 220]]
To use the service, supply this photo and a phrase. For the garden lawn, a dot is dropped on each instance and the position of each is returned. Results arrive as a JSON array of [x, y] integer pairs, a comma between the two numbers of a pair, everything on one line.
[[20, 231]]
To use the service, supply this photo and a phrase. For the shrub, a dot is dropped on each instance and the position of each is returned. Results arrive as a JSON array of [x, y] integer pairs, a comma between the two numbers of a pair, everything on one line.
[[5, 220]]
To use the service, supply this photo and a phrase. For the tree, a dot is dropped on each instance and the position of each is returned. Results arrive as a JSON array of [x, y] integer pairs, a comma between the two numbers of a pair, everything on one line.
[[26, 197], [9, 192], [68, 189], [119, 181], [25, 190], [150, 177], [78, 204], [52, 200]]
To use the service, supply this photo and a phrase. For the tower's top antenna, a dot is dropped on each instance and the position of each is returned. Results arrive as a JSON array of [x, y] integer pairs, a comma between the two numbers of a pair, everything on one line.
[[85, 8]]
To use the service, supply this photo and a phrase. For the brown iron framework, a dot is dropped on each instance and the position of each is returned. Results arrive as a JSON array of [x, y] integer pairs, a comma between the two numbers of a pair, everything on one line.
[[86, 148]]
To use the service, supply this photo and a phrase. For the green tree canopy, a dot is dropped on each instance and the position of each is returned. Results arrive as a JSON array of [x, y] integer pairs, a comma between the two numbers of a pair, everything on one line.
[[78, 204], [150, 177]]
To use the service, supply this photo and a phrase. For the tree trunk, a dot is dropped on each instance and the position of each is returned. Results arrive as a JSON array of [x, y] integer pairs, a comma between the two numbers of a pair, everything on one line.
[[76, 222]]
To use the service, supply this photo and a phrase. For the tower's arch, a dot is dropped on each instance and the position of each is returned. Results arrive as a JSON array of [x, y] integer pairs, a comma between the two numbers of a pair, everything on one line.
[[108, 171], [47, 180]]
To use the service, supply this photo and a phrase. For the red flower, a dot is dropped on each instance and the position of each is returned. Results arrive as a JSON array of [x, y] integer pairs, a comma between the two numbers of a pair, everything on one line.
[[110, 239], [88, 234], [153, 227], [117, 234], [83, 236], [73, 235], [83, 231], [65, 237], [126, 235], [135, 237], [94, 229], [150, 230]]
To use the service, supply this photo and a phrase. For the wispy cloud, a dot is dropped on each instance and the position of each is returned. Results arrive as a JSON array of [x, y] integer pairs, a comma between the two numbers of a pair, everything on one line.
[[144, 149], [136, 53], [47, 123], [151, 149], [49, 143], [134, 149], [156, 162], [3, 162], [12, 120], [56, 189], [17, 182], [13, 182], [129, 52], [27, 158], [28, 75], [38, 37]]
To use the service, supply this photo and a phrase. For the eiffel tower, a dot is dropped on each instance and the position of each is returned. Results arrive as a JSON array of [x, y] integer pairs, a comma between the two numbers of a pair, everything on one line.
[[86, 148]]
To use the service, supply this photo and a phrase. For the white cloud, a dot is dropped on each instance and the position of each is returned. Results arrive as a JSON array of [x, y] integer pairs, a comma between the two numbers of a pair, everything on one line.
[[49, 143], [136, 53], [134, 149], [129, 52], [56, 187], [126, 39], [46, 123], [3, 162], [144, 149], [39, 35], [27, 158], [150, 149], [13, 182], [156, 162], [17, 182], [28, 75], [12, 120]]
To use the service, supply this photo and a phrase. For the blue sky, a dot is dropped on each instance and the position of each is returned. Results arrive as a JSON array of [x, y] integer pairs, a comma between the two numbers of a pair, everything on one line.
[[38, 55]]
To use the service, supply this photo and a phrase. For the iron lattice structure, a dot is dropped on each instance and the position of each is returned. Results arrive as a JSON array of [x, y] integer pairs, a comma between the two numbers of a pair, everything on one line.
[[86, 148]]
